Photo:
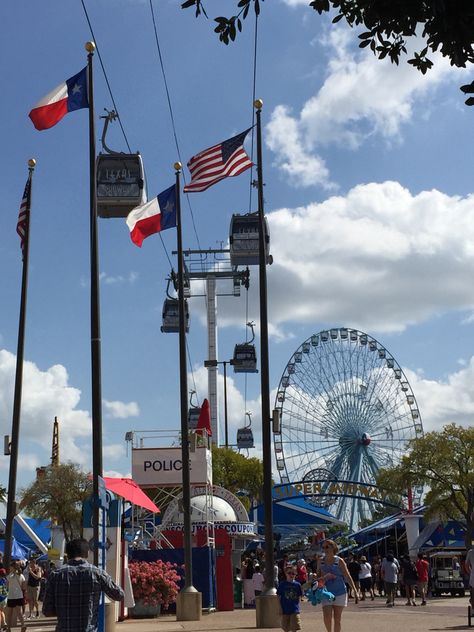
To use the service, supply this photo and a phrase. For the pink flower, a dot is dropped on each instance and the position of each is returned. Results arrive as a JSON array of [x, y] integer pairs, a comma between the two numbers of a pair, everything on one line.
[[154, 582]]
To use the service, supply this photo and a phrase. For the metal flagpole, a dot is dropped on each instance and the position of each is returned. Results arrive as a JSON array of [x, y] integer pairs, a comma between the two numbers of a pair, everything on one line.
[[188, 607], [15, 433], [267, 606], [95, 317]]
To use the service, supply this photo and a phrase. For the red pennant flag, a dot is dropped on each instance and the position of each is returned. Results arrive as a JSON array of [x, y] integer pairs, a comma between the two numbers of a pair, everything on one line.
[[204, 421]]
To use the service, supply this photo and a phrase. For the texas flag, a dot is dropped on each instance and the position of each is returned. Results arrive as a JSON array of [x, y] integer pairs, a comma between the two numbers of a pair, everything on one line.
[[69, 96], [153, 217]]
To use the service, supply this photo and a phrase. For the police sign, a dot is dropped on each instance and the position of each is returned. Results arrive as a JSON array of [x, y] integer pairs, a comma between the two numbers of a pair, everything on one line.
[[152, 467]]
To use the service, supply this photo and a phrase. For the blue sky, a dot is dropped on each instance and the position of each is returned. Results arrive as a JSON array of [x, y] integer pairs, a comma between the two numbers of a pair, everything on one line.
[[368, 174]]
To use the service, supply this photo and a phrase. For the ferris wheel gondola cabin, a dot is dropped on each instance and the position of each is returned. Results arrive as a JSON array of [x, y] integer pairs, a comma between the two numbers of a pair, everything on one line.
[[170, 316], [244, 240], [120, 184]]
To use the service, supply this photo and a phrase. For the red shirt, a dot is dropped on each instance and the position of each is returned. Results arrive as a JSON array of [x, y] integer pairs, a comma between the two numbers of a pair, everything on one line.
[[422, 567]]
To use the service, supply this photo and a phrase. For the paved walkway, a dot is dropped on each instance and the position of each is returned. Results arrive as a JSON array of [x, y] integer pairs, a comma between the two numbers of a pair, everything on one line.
[[439, 615]]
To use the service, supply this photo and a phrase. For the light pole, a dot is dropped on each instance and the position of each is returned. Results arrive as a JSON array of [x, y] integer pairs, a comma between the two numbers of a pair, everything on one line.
[[188, 605], [267, 603], [214, 363]]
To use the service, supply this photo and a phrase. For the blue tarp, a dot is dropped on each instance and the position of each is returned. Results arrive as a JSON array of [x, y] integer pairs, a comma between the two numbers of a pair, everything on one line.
[[19, 552], [40, 527], [294, 518]]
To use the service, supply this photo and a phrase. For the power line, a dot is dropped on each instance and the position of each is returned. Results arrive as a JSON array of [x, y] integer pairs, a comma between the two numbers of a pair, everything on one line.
[[170, 107]]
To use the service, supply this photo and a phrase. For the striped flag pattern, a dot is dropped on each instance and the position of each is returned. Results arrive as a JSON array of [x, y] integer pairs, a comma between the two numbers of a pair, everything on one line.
[[24, 215], [218, 162]]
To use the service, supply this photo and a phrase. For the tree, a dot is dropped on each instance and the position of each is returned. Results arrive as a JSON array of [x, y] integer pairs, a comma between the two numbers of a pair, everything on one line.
[[57, 494], [444, 25], [238, 473], [444, 461]]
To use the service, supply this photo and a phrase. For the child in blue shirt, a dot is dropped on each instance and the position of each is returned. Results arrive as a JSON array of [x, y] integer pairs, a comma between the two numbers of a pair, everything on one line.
[[290, 594]]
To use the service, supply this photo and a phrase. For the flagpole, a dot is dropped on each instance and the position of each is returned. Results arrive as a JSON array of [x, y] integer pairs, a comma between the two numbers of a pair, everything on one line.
[[267, 603], [188, 606], [95, 316], [16, 417]]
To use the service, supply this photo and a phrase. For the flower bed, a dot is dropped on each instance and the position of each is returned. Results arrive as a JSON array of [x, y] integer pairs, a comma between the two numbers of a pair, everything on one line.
[[154, 583]]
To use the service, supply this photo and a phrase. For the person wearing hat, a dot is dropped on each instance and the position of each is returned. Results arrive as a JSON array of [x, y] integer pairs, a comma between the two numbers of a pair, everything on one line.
[[365, 578]]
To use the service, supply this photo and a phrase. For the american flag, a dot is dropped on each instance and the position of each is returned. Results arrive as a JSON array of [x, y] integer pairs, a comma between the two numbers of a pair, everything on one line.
[[218, 162], [24, 215]]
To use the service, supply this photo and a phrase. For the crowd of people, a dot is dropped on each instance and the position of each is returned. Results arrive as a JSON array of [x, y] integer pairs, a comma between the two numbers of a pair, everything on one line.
[[21, 588], [71, 593], [352, 577]]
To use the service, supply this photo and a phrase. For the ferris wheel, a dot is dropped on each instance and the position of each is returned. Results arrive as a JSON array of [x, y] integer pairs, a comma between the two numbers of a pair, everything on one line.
[[346, 410]]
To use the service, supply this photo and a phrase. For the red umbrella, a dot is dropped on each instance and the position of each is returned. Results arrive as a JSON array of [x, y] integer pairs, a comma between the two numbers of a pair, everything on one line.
[[128, 489]]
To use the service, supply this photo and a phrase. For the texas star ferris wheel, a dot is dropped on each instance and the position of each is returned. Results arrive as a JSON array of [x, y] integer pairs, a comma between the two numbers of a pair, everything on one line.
[[346, 410]]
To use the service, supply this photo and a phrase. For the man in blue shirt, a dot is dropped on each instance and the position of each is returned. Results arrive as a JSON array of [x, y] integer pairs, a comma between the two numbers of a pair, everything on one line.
[[73, 591]]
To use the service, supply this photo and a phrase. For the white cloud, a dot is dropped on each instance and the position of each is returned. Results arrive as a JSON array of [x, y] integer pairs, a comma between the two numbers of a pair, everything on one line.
[[378, 258], [444, 402], [46, 395], [284, 138], [113, 451], [120, 410], [360, 97], [109, 279]]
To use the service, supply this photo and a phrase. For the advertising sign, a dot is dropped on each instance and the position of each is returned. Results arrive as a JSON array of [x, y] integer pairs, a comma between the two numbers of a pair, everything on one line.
[[162, 467]]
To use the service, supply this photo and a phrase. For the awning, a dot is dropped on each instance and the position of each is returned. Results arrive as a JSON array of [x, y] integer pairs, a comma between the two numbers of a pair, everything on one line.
[[128, 489]]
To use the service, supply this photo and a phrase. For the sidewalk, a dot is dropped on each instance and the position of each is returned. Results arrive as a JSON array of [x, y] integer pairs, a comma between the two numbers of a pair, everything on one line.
[[440, 614]]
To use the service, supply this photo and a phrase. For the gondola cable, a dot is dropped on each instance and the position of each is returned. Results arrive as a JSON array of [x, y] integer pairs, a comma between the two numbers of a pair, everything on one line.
[[105, 74], [115, 105]]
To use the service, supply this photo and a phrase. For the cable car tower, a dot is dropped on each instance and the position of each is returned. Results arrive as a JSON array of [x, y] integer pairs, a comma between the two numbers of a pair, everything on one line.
[[120, 178], [211, 265]]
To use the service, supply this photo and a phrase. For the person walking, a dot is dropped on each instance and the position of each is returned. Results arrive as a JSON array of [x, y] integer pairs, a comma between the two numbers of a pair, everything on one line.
[[354, 570], [247, 575], [290, 594], [365, 578], [334, 572], [409, 578], [33, 587], [15, 598], [73, 591], [258, 581], [389, 571], [301, 572], [422, 569]]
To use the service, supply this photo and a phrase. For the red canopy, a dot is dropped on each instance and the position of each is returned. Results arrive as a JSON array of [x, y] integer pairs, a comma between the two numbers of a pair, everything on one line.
[[128, 489], [204, 421]]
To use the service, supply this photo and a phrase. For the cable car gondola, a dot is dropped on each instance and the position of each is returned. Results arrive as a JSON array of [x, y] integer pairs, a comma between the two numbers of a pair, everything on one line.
[[171, 316], [120, 179], [244, 240], [245, 435], [245, 356], [193, 412]]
